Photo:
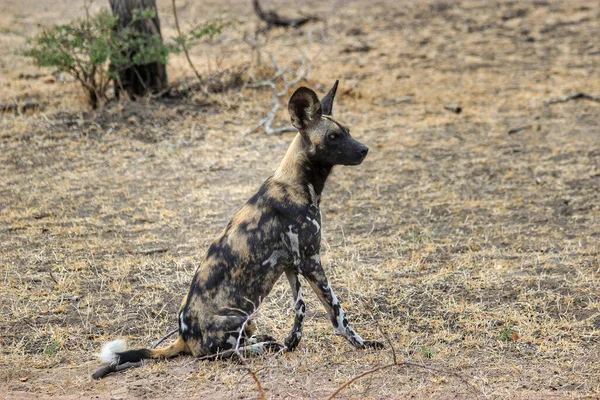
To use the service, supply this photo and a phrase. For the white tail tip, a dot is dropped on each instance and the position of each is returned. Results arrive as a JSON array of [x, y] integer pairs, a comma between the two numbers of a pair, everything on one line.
[[109, 350]]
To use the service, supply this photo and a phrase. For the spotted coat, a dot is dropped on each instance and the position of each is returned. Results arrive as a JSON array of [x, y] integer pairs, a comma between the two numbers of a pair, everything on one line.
[[278, 231]]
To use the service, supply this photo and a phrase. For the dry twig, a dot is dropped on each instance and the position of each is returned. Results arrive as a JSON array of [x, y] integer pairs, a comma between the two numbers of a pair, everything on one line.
[[157, 250], [574, 96], [266, 123], [238, 352], [201, 84], [518, 129], [155, 345], [455, 108], [184, 47], [394, 363]]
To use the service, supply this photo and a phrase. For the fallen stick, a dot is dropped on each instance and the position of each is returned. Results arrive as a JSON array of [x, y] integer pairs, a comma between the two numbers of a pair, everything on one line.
[[155, 345], [455, 108], [273, 19], [519, 129], [395, 364], [153, 251], [574, 96]]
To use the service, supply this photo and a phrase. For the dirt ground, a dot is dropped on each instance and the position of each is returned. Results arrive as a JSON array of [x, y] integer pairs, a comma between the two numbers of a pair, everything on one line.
[[470, 239]]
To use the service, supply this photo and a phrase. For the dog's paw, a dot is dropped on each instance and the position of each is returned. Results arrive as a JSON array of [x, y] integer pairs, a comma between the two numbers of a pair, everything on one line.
[[273, 347], [260, 339], [373, 344], [291, 342]]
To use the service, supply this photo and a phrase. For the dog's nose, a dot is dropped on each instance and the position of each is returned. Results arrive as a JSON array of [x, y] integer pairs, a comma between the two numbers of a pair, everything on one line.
[[364, 150]]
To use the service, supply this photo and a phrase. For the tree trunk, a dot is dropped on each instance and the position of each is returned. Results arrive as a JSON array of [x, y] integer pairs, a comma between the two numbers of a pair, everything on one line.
[[139, 80]]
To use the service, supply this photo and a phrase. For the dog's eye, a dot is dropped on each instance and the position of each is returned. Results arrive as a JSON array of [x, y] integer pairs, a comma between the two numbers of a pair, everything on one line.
[[333, 136]]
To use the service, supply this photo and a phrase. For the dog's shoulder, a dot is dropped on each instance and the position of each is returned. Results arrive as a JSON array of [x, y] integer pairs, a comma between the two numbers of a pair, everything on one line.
[[286, 199]]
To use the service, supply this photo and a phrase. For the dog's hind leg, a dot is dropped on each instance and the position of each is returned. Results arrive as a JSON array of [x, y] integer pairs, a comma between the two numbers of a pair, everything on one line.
[[259, 344], [291, 342], [225, 339], [252, 346]]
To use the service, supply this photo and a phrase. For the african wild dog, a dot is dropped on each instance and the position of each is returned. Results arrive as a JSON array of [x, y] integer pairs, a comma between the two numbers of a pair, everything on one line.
[[277, 231]]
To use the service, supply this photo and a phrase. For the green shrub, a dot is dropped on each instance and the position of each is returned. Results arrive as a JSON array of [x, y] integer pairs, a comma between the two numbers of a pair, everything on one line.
[[84, 48]]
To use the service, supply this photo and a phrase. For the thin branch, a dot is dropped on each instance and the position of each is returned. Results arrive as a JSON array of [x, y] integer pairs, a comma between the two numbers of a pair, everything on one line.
[[238, 351], [267, 121], [183, 46], [164, 338], [395, 363], [387, 339], [182, 39], [267, 82], [574, 96], [157, 250], [301, 73], [519, 129], [357, 377]]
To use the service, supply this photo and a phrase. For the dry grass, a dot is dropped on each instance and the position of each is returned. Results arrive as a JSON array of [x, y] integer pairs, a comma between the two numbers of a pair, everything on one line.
[[476, 251]]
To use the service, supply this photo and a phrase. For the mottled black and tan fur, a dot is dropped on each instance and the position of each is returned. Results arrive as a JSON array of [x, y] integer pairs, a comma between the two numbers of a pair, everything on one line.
[[278, 231]]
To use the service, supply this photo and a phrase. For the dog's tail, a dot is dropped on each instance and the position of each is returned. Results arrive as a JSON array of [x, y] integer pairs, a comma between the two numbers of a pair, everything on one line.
[[116, 351]]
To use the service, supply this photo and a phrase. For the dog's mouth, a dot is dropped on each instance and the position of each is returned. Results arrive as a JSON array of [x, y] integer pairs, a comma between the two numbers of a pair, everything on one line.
[[358, 161], [362, 154]]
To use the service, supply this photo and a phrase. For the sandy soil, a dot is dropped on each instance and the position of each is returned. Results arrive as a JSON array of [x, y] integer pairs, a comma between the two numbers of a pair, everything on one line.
[[469, 239]]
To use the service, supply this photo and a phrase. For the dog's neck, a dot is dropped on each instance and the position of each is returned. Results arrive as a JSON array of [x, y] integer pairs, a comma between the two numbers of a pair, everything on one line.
[[297, 167]]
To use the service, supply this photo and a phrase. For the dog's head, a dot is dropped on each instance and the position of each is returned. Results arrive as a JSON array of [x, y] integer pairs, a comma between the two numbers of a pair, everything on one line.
[[329, 141]]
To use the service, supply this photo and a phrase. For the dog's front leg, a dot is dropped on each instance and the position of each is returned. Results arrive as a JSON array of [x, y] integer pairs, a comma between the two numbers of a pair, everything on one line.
[[314, 273], [291, 342]]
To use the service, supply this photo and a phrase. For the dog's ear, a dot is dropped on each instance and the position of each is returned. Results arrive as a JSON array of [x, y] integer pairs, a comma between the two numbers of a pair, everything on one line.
[[304, 108], [327, 102]]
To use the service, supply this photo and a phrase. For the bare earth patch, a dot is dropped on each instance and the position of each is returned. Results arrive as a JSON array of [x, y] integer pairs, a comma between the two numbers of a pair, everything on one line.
[[471, 239]]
